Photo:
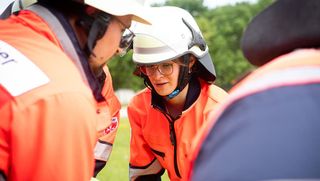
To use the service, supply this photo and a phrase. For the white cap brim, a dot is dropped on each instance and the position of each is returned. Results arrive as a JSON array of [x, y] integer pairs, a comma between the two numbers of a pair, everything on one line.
[[139, 12]]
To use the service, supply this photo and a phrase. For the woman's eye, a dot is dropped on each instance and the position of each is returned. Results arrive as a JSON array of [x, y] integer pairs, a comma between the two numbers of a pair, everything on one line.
[[166, 65]]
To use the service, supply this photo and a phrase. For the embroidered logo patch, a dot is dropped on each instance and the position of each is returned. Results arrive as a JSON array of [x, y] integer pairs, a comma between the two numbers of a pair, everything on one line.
[[112, 126]]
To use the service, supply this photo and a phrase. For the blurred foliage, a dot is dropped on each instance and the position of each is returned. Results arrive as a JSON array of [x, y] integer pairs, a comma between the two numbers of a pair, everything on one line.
[[195, 7], [121, 69], [222, 28]]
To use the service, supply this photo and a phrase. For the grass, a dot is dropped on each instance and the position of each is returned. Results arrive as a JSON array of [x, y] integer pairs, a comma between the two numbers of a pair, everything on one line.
[[117, 167]]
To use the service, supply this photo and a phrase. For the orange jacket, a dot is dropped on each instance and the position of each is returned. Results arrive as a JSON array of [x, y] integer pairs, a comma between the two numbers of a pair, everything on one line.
[[297, 68], [109, 119], [151, 148], [48, 114]]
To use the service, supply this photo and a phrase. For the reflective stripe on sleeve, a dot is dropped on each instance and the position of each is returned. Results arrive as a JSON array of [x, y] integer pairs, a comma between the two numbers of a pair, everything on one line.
[[102, 151], [153, 168]]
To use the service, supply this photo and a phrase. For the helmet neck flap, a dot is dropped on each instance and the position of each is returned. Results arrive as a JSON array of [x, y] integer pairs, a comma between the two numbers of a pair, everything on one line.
[[95, 27]]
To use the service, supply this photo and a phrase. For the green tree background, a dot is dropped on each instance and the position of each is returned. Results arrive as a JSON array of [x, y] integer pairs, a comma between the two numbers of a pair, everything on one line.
[[222, 28]]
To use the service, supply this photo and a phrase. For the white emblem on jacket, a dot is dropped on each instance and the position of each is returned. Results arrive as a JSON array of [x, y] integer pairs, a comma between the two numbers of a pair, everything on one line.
[[18, 74]]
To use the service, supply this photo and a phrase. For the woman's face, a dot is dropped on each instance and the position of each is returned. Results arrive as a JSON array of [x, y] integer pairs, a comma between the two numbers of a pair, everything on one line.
[[162, 79]]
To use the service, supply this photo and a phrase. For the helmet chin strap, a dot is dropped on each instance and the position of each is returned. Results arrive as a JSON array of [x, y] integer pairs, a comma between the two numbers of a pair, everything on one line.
[[172, 94], [98, 29], [183, 79]]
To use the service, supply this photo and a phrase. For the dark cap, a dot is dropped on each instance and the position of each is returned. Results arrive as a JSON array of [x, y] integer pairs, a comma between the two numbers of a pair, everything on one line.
[[282, 27]]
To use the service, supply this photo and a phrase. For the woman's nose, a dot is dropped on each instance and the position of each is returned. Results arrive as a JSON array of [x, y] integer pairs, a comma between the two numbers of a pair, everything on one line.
[[157, 74]]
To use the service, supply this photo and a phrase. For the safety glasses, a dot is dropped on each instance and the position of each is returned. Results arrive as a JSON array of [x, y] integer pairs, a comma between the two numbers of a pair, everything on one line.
[[126, 39], [164, 68]]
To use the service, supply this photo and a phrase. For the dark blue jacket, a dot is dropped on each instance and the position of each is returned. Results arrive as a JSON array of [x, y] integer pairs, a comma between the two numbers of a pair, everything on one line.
[[272, 131]]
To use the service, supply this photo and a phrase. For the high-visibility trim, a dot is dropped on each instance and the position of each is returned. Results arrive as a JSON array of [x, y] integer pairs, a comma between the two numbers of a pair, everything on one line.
[[281, 78], [148, 50], [153, 168], [102, 151], [272, 79], [153, 50]]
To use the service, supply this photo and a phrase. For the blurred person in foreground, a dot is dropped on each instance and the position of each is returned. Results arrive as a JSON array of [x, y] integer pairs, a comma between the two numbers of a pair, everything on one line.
[[268, 129], [55, 88], [174, 61]]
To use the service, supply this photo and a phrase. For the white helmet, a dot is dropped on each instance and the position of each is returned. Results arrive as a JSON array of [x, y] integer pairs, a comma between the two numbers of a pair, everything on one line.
[[173, 33], [135, 8]]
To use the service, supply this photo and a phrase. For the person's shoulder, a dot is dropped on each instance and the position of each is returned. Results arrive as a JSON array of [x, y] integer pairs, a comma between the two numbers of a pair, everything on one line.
[[141, 97], [217, 93], [144, 92]]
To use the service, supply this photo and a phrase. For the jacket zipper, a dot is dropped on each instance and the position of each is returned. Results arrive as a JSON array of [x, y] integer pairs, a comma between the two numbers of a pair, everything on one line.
[[173, 139], [174, 143]]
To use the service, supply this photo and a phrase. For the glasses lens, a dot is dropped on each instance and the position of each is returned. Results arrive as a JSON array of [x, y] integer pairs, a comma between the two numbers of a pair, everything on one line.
[[148, 69], [126, 39], [126, 42], [165, 68]]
